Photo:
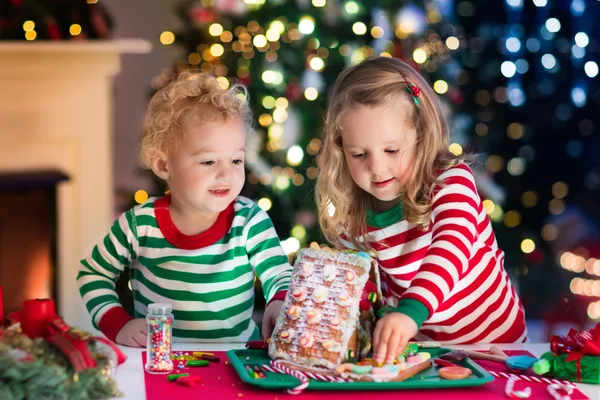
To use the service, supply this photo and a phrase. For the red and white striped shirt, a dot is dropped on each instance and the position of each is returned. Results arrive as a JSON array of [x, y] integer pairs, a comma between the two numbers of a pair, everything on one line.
[[454, 268]]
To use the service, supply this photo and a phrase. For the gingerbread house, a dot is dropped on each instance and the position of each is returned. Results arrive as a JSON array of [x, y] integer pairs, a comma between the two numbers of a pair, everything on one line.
[[328, 316]]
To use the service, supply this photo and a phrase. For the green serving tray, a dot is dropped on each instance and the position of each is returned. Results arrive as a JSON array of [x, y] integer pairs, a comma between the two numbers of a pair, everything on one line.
[[428, 379]]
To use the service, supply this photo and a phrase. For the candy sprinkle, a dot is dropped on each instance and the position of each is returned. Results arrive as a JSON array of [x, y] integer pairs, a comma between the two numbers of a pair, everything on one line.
[[201, 353], [174, 377], [198, 363]]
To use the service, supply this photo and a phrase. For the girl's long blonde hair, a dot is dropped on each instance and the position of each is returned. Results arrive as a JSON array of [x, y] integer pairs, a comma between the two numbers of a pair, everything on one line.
[[342, 205]]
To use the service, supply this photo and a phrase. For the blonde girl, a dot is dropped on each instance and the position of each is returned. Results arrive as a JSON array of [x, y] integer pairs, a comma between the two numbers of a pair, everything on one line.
[[388, 183]]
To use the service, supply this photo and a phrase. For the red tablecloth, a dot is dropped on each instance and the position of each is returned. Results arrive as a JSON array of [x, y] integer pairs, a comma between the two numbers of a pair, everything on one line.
[[221, 381]]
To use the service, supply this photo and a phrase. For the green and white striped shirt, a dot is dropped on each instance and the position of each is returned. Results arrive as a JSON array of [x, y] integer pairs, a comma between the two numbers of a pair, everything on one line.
[[207, 278]]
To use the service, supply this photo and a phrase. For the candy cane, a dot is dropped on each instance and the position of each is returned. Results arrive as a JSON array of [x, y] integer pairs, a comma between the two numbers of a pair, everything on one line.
[[553, 390], [326, 378], [278, 368], [516, 394], [312, 375], [530, 378]]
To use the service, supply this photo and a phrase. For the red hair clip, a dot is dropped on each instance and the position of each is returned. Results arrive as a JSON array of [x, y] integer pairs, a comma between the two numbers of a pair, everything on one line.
[[414, 91]]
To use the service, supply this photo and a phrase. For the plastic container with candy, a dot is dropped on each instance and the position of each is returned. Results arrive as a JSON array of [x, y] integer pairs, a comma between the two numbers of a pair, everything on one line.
[[160, 324]]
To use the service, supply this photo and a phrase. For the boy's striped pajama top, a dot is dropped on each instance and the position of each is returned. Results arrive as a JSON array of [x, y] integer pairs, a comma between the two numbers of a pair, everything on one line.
[[208, 278]]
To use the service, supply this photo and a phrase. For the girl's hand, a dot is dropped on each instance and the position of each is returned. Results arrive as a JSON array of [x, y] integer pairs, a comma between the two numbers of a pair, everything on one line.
[[133, 333], [391, 335], [270, 318]]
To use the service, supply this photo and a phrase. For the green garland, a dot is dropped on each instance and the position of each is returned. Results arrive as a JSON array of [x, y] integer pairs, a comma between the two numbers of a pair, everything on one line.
[[36, 369]]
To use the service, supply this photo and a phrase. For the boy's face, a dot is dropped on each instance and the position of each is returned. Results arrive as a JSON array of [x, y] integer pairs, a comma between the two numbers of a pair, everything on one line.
[[379, 146], [206, 172]]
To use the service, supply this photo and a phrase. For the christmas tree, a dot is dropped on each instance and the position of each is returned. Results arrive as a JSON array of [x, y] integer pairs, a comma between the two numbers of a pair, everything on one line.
[[289, 54], [514, 78], [53, 20]]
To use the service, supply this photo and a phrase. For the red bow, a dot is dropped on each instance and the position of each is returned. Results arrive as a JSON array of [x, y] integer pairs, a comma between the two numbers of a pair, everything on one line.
[[577, 344], [38, 319]]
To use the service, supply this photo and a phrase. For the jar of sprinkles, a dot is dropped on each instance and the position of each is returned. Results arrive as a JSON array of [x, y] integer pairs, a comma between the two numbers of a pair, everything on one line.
[[160, 323]]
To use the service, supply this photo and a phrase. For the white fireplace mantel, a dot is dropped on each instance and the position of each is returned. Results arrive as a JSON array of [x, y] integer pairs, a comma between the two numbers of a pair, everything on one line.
[[56, 113]]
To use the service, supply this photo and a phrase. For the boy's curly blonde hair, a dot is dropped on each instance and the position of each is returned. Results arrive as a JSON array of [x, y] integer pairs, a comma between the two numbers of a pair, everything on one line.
[[191, 96], [376, 82]]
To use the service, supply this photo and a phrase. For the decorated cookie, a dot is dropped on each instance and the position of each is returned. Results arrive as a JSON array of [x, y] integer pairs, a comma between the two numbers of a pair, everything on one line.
[[454, 373]]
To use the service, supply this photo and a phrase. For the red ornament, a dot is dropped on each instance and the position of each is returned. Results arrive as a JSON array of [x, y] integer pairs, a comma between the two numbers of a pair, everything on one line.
[[456, 96], [53, 31], [535, 257], [201, 15], [1, 308], [245, 81], [293, 92], [398, 50]]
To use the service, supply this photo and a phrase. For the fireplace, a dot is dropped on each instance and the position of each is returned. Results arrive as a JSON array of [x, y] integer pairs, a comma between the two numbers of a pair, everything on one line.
[[28, 236], [56, 118]]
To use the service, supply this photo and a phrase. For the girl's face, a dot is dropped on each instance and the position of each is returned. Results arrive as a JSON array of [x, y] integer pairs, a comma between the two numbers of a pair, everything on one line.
[[379, 147], [207, 169]]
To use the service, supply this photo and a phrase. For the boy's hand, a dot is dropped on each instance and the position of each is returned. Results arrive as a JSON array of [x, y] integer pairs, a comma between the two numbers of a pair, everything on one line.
[[133, 333], [391, 335], [270, 318]]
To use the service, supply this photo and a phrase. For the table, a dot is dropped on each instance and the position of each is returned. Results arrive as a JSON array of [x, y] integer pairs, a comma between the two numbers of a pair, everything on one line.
[[130, 375]]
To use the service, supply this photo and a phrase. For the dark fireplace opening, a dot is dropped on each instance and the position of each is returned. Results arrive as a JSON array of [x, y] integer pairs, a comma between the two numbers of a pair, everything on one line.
[[28, 236]]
